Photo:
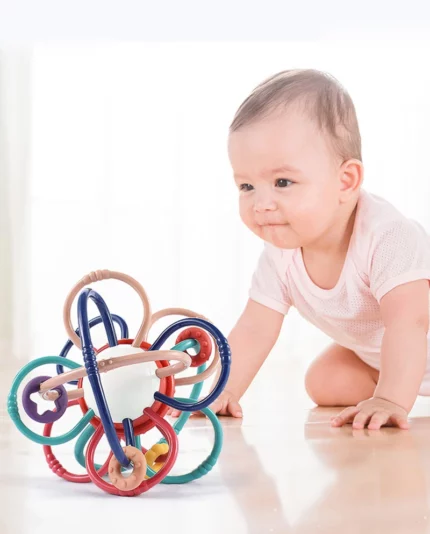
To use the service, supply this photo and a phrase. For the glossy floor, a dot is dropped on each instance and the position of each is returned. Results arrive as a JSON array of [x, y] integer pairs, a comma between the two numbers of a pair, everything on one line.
[[283, 469]]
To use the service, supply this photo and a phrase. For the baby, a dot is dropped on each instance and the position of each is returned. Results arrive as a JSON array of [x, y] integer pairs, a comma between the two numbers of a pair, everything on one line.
[[349, 261]]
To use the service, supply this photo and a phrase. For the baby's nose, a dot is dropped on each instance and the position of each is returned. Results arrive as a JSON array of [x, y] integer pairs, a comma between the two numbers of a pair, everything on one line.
[[264, 203]]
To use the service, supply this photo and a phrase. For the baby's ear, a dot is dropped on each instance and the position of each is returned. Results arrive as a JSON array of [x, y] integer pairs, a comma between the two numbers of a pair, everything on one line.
[[350, 179]]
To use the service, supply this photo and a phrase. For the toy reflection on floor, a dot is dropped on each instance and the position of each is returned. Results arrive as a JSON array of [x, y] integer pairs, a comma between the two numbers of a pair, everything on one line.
[[131, 399]]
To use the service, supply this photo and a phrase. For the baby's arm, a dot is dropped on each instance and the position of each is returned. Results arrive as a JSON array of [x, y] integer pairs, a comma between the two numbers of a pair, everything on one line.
[[251, 341], [405, 312]]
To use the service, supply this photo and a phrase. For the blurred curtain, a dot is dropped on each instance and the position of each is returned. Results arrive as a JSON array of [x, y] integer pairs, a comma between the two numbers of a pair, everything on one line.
[[15, 206]]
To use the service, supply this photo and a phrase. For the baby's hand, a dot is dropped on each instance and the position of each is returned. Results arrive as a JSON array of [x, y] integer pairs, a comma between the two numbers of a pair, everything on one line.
[[226, 404], [376, 412]]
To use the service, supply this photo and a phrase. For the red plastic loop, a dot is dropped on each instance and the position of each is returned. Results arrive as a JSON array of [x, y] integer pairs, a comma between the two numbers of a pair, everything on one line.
[[56, 466], [205, 344], [142, 424], [168, 433]]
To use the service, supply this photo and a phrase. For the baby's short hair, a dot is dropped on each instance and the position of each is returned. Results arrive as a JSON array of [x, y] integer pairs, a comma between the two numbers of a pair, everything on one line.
[[324, 99]]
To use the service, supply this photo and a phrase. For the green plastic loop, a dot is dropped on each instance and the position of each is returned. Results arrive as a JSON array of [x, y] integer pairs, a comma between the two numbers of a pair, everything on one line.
[[211, 460], [207, 464], [12, 403]]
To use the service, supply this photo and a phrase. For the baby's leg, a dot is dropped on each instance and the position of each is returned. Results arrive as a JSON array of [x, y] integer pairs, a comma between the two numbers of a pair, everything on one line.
[[339, 378]]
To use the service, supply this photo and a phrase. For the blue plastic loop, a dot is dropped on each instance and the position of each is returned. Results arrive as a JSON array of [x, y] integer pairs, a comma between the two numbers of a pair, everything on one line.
[[128, 432], [93, 374], [225, 357], [93, 322]]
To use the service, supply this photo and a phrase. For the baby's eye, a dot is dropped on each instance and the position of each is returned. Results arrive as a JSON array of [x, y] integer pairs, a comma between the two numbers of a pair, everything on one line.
[[245, 187], [283, 182]]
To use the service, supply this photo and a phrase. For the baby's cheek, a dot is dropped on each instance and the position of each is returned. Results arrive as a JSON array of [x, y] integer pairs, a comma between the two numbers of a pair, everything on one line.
[[308, 220], [249, 221], [246, 213]]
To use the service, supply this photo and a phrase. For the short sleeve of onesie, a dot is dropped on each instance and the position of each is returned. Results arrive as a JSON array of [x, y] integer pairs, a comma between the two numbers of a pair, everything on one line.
[[268, 286], [399, 253]]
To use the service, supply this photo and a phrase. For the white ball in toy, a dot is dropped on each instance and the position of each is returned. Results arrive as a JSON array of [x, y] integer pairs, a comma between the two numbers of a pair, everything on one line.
[[128, 390]]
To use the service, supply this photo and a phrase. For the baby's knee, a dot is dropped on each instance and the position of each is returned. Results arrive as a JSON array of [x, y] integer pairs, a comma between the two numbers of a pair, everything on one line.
[[327, 382], [318, 380], [336, 382]]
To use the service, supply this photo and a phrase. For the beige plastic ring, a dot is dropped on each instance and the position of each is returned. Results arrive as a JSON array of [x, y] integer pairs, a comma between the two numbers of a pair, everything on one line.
[[121, 361], [147, 322], [193, 379], [97, 276], [137, 475]]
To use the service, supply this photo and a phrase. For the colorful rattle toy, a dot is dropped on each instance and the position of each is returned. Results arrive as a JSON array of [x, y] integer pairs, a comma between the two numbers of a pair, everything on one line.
[[131, 399]]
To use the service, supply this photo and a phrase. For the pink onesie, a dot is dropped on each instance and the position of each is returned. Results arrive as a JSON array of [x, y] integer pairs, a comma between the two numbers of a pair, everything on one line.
[[386, 250]]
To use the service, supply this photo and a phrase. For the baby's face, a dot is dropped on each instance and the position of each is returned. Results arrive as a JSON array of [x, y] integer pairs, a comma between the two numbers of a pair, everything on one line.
[[288, 179]]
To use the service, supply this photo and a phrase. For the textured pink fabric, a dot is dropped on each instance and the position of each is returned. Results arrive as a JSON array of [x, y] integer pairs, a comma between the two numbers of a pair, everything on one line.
[[386, 250]]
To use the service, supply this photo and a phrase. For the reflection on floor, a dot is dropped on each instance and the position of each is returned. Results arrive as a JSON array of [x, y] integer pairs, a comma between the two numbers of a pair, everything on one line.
[[283, 469]]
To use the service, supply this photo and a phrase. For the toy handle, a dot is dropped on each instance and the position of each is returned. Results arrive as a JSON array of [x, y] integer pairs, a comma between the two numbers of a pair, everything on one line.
[[97, 276]]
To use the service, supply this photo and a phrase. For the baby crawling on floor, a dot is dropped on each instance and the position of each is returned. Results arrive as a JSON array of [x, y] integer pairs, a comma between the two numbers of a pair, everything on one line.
[[349, 261]]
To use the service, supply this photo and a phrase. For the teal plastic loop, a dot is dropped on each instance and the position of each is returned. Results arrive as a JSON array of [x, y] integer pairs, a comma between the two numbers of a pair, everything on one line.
[[12, 404], [194, 396], [208, 463], [187, 344], [80, 446]]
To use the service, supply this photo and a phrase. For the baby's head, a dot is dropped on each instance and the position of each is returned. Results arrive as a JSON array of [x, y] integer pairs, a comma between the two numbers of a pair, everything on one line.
[[295, 149]]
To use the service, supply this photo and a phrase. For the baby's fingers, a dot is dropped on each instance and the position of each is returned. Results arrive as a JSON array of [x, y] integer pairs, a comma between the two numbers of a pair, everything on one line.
[[217, 407], [234, 409], [228, 407], [361, 419], [400, 420], [378, 419], [345, 416]]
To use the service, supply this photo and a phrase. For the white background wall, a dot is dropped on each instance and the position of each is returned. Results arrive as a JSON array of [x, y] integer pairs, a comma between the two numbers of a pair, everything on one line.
[[129, 169]]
